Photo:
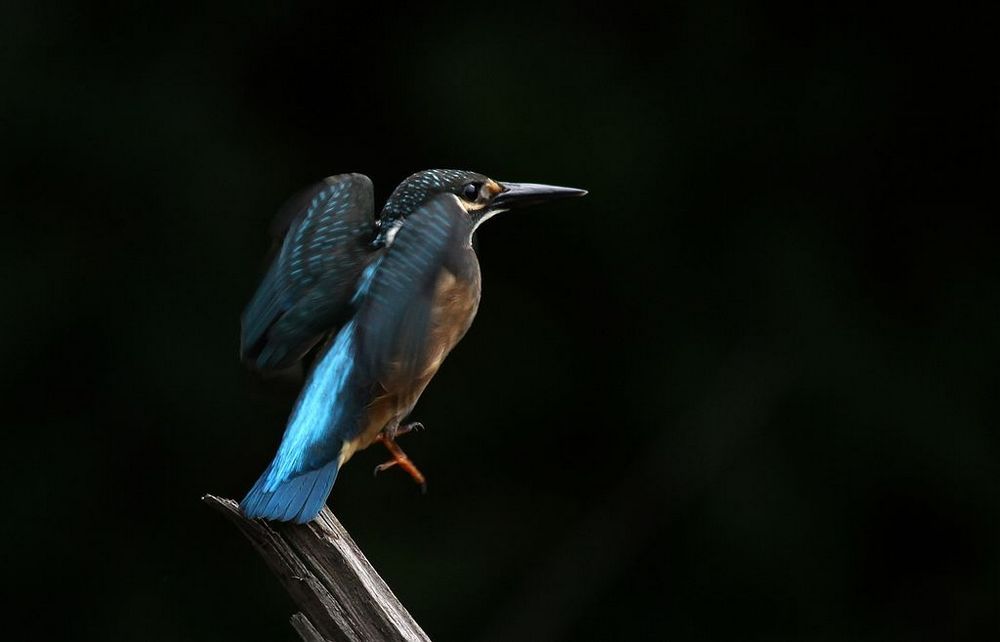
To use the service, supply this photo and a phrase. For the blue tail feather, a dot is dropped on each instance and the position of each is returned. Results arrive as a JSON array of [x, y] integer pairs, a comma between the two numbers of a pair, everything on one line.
[[296, 484], [297, 500]]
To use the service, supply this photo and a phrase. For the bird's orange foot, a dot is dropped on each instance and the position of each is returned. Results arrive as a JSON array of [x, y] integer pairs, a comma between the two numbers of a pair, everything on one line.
[[399, 458]]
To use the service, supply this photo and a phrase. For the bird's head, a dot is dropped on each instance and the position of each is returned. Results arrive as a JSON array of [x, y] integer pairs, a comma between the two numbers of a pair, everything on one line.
[[480, 196]]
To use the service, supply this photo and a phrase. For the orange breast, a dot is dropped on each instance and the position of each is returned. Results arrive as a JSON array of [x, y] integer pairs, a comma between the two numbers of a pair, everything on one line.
[[455, 304]]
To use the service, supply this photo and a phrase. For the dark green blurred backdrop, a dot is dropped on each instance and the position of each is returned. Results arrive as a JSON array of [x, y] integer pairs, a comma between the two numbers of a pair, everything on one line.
[[745, 390]]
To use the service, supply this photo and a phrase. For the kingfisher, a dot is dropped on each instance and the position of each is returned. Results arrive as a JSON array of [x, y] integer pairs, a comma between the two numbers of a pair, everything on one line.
[[385, 297]]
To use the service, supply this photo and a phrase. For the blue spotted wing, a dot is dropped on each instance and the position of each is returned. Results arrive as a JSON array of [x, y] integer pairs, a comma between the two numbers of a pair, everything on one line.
[[307, 290], [394, 318]]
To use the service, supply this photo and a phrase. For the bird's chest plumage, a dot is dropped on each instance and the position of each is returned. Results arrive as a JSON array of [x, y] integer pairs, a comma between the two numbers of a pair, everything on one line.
[[454, 305], [456, 301]]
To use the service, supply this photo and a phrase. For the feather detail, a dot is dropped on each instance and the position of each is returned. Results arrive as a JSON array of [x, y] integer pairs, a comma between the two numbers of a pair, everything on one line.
[[298, 480]]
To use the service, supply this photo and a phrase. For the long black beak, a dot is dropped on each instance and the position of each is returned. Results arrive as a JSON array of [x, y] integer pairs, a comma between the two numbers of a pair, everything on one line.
[[522, 194]]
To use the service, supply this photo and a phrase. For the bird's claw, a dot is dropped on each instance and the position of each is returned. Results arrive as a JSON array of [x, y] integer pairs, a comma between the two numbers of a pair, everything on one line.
[[399, 431], [386, 466], [400, 459]]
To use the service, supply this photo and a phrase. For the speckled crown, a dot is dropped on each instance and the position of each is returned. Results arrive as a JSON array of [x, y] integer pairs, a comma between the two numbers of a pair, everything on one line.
[[422, 186]]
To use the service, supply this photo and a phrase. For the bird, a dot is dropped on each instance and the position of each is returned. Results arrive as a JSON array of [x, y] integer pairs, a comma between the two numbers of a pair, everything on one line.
[[384, 299]]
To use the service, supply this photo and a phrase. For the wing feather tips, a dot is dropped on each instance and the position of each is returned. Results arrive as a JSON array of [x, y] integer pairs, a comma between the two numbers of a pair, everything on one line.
[[260, 313], [297, 500]]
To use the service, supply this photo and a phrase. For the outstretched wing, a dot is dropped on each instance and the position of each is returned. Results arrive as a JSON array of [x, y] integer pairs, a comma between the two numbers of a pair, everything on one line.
[[394, 318], [306, 292]]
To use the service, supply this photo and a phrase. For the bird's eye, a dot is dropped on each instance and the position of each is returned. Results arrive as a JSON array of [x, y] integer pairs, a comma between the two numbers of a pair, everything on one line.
[[471, 191]]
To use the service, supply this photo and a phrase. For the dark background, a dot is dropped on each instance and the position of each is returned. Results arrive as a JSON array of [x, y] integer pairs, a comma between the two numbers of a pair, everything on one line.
[[746, 389]]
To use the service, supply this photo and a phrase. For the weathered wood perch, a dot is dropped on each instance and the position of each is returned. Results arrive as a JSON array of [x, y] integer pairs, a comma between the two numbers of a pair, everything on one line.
[[340, 595]]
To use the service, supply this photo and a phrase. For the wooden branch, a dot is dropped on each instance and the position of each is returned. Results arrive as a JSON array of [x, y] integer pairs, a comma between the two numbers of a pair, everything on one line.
[[341, 596]]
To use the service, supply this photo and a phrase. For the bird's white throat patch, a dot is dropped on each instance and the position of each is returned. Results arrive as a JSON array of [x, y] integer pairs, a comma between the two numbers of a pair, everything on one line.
[[485, 217]]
